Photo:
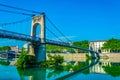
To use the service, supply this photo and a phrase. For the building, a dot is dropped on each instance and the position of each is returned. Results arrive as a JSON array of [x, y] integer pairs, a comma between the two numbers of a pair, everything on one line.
[[97, 46], [12, 53], [7, 54], [14, 48], [26, 46]]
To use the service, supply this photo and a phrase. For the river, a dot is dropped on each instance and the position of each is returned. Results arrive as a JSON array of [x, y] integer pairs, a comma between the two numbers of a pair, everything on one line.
[[103, 69]]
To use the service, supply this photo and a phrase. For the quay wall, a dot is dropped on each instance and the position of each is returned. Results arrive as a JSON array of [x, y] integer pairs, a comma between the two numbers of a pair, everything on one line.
[[72, 57], [111, 57]]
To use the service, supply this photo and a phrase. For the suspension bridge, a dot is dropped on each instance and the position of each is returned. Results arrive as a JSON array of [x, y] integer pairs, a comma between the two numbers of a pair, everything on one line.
[[37, 44]]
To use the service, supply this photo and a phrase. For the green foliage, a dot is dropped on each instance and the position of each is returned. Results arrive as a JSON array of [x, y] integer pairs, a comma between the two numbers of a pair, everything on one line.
[[5, 48], [112, 70], [31, 72], [56, 59], [4, 63], [88, 57], [59, 49], [55, 49], [45, 64], [52, 61], [68, 67], [84, 44], [79, 66], [112, 44], [56, 70], [25, 60]]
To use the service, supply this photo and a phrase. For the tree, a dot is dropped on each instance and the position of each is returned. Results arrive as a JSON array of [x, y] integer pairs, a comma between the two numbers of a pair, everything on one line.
[[5, 48], [25, 60], [56, 59], [112, 44], [112, 70], [83, 44]]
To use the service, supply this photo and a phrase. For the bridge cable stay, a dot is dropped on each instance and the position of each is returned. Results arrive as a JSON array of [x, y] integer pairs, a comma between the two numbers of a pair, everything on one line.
[[28, 26], [54, 34], [17, 12], [16, 22], [16, 26], [37, 13], [31, 15], [57, 29], [32, 11]]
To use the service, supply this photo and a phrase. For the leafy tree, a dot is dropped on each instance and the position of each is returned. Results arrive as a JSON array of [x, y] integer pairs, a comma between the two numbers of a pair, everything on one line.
[[25, 60], [112, 70], [112, 44], [4, 63], [5, 48], [56, 59], [83, 44]]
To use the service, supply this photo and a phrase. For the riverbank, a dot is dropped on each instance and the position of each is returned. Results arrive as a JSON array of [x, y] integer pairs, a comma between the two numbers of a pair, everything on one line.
[[82, 56], [112, 57], [72, 56]]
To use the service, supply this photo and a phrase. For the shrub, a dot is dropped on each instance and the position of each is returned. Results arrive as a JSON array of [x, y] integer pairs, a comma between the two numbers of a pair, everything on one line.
[[56, 59], [52, 61], [88, 57], [25, 60]]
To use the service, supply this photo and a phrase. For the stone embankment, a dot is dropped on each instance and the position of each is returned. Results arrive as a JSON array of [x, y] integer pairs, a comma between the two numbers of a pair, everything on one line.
[[73, 57], [111, 57]]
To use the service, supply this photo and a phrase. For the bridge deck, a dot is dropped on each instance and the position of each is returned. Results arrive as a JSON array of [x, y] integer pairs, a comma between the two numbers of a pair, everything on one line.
[[17, 36], [24, 37]]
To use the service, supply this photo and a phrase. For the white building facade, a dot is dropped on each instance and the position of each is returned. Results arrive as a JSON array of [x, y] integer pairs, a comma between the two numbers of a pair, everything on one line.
[[97, 46]]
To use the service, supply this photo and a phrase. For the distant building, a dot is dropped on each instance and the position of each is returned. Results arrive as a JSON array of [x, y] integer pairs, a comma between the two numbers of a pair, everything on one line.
[[97, 46], [7, 54], [26, 46], [14, 48]]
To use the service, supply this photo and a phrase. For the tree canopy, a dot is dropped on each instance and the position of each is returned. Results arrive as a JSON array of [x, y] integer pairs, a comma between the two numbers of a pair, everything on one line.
[[112, 44], [5, 48], [113, 70]]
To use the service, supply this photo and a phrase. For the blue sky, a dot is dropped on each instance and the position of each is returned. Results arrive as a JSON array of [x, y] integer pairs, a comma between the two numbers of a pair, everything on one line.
[[77, 19]]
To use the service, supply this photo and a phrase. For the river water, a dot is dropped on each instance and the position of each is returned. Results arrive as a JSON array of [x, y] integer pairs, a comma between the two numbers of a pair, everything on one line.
[[72, 70]]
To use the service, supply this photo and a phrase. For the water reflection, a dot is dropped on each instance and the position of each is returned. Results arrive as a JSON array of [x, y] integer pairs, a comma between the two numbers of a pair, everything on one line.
[[103, 70], [80, 69], [4, 62], [32, 74], [52, 72], [88, 69], [111, 68]]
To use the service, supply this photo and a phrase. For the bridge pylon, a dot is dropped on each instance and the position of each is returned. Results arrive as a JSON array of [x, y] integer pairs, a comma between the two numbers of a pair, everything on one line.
[[38, 49]]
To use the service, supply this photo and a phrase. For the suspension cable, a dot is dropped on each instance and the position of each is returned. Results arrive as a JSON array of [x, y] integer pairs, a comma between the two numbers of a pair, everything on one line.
[[21, 21], [32, 15], [54, 34], [57, 29], [20, 9], [17, 12]]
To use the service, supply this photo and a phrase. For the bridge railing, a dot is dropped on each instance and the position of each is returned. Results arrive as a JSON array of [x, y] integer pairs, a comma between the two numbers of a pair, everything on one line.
[[48, 41], [17, 36], [65, 44], [52, 42]]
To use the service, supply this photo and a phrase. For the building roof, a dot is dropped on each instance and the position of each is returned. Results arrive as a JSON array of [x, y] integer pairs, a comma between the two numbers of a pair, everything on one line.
[[99, 41]]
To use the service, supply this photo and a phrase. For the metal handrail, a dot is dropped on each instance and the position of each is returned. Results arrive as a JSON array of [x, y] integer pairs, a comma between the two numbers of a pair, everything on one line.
[[18, 35]]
